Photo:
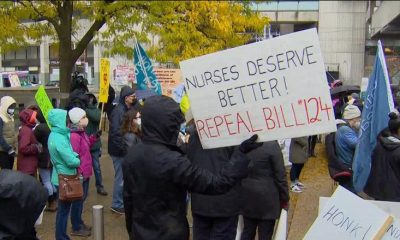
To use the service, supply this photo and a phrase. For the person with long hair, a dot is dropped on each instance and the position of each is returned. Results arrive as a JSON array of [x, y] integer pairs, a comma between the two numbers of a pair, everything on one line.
[[130, 128]]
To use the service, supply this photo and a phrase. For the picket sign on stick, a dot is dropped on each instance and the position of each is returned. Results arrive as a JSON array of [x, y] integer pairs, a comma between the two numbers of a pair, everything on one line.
[[43, 102], [104, 84], [347, 216], [275, 88]]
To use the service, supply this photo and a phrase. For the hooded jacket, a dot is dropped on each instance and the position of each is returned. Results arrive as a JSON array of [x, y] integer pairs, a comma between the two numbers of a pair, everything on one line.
[[63, 158], [8, 139], [157, 176], [42, 132], [116, 144], [266, 187], [384, 179], [22, 199], [27, 159]]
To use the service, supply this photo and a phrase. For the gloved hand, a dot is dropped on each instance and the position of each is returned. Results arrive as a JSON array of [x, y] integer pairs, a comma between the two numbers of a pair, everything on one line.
[[249, 144], [11, 152]]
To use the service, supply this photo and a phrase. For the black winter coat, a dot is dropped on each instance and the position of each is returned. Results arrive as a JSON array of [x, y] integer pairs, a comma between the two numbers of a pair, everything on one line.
[[116, 144], [266, 187], [157, 176], [384, 179], [225, 205], [22, 199], [42, 132]]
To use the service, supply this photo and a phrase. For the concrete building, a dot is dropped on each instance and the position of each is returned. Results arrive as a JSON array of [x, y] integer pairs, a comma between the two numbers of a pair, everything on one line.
[[341, 27]]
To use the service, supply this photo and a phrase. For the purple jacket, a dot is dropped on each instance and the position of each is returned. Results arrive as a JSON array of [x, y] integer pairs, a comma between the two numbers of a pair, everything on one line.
[[81, 144]]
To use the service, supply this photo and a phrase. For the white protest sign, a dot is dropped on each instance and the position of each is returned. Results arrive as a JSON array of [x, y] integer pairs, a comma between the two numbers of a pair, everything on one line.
[[346, 216], [393, 231], [275, 88]]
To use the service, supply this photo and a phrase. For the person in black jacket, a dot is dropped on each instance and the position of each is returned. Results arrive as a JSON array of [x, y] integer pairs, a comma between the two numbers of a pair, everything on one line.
[[22, 199], [42, 132], [214, 217], [116, 144], [384, 179], [264, 192], [157, 175]]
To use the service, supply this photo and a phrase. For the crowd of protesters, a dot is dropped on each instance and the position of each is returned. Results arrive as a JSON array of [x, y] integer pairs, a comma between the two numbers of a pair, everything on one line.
[[160, 164]]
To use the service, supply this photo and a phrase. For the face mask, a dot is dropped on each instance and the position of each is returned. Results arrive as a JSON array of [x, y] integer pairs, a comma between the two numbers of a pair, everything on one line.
[[10, 111], [182, 128], [139, 121], [84, 122]]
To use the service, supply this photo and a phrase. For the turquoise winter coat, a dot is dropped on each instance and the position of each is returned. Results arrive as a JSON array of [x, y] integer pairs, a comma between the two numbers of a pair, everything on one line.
[[64, 159]]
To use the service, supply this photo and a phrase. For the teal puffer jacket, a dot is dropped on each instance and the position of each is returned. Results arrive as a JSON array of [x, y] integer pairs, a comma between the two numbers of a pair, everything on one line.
[[64, 159]]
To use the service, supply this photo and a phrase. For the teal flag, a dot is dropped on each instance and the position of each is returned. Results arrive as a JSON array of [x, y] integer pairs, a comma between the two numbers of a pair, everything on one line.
[[145, 77], [378, 104]]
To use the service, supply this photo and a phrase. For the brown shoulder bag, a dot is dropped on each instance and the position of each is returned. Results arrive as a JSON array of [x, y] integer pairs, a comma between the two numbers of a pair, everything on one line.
[[70, 187]]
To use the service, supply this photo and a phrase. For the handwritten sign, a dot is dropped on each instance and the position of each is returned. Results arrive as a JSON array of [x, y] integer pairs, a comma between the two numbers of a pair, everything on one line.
[[104, 79], [275, 88], [393, 208], [346, 216], [43, 102]]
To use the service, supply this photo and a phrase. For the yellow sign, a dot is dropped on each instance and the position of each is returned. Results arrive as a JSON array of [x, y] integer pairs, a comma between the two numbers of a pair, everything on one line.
[[43, 102], [104, 79]]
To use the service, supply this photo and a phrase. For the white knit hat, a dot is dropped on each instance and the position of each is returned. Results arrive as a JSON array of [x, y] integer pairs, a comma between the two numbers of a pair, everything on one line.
[[351, 112], [76, 114]]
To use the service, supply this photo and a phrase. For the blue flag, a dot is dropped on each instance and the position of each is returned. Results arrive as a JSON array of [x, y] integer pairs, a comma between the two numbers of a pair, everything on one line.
[[145, 77], [378, 103]]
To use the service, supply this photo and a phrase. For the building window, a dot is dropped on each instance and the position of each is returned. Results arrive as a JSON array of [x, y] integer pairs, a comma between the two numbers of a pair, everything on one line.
[[33, 52], [20, 53], [10, 55]]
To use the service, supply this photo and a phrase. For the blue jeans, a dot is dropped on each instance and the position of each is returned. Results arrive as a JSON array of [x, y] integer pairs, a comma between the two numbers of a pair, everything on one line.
[[117, 200], [97, 169], [77, 208], [62, 219], [45, 175]]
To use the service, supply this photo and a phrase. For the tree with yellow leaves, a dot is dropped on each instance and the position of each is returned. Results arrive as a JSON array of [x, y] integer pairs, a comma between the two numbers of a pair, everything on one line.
[[181, 29]]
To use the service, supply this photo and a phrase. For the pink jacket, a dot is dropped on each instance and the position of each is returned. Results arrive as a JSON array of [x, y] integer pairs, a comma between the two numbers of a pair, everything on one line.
[[81, 144]]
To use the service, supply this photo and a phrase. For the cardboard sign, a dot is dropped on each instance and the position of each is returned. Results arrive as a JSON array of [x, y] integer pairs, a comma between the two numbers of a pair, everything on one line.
[[393, 208], [275, 88], [346, 216], [104, 79], [169, 79], [43, 102]]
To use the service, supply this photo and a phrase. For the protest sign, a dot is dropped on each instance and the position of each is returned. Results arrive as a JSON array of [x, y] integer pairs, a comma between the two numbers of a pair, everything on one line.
[[43, 102], [393, 208], [275, 88], [104, 79], [169, 79], [124, 75], [347, 216], [14, 80]]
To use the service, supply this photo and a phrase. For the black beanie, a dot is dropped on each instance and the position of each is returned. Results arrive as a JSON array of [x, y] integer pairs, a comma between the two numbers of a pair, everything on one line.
[[394, 122]]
